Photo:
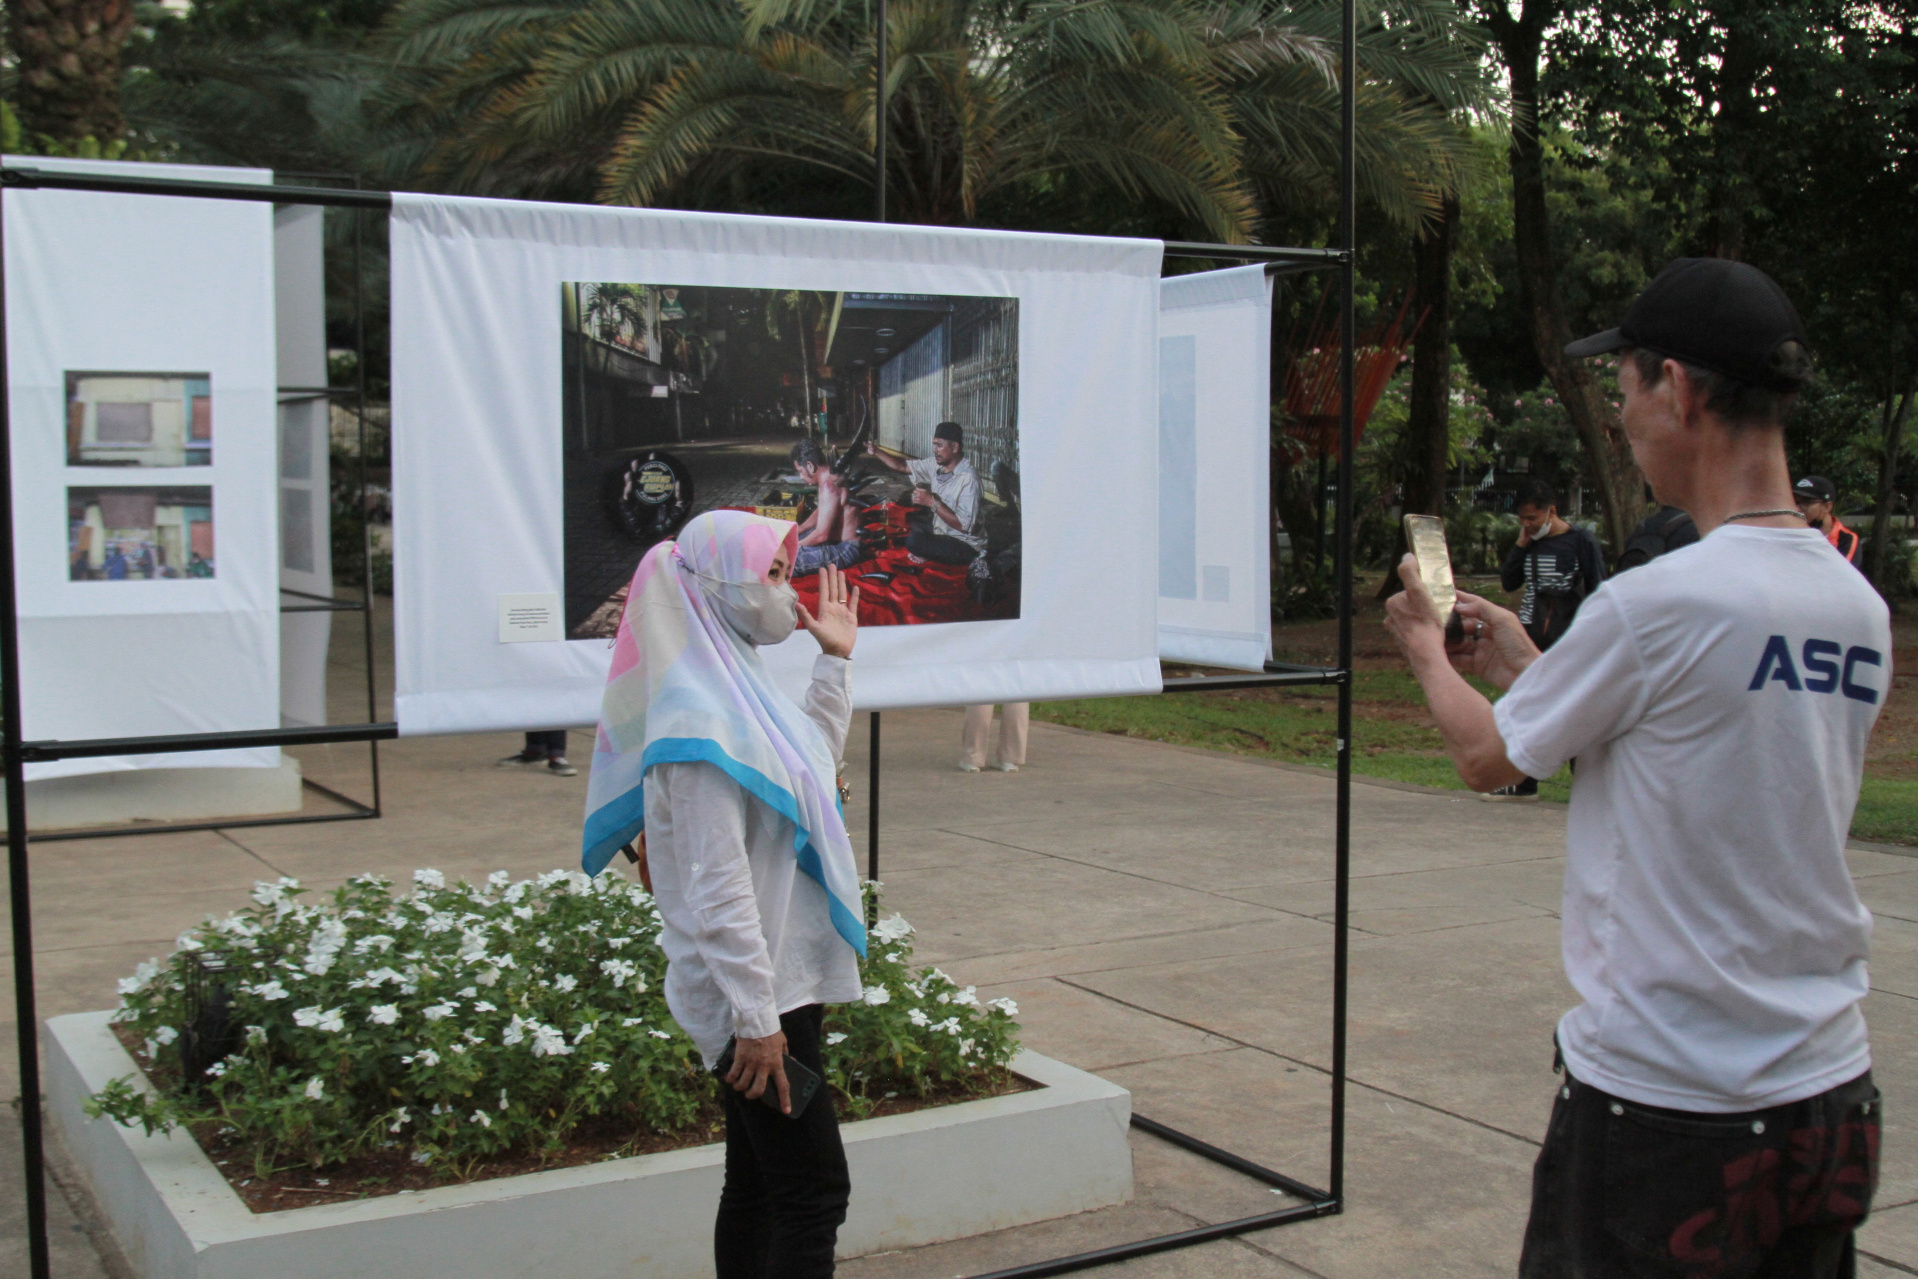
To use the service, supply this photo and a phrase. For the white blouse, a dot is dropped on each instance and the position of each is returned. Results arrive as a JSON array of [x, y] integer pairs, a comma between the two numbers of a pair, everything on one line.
[[747, 936]]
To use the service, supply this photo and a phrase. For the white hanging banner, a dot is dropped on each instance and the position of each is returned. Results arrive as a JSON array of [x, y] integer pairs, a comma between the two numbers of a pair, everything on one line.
[[140, 359], [1215, 506], [962, 420]]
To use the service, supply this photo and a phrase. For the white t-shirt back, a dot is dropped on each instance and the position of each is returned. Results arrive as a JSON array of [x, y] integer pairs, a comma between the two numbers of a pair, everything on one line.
[[1718, 702]]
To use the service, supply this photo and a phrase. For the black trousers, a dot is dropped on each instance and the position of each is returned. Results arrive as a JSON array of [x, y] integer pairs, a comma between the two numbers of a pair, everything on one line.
[[786, 1184], [928, 545], [548, 743], [1624, 1191]]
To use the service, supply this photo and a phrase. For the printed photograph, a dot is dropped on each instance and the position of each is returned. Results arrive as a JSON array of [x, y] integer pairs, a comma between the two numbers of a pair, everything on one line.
[[886, 425], [139, 419], [139, 534]]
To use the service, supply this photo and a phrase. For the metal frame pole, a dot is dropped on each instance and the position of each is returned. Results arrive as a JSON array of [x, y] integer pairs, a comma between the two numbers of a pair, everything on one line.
[[1348, 335], [366, 523], [879, 69], [27, 1020]]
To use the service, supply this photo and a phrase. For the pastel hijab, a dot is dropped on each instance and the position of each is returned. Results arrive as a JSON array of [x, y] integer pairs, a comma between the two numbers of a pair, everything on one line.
[[688, 685]]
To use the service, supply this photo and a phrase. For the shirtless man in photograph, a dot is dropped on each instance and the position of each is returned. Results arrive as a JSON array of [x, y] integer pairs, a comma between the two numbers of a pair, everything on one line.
[[830, 535]]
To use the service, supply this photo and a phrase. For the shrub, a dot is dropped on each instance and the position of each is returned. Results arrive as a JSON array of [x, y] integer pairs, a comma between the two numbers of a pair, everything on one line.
[[465, 1022]]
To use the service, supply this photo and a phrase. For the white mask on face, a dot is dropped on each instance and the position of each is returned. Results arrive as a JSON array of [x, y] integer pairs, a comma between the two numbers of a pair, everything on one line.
[[760, 612]]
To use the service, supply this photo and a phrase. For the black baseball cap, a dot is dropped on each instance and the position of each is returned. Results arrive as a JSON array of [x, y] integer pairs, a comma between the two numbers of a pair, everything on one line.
[[1725, 316], [1814, 488], [950, 431]]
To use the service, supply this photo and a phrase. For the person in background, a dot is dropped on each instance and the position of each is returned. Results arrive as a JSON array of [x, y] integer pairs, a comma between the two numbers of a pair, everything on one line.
[[544, 750], [948, 488], [733, 787], [1558, 565], [1660, 533], [1013, 720], [1814, 495], [1717, 1114]]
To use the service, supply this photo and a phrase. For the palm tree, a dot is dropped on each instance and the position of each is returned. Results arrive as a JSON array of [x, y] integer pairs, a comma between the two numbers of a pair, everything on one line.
[[68, 68], [1188, 103]]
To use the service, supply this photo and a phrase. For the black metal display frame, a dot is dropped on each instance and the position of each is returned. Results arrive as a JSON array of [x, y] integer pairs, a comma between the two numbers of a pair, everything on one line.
[[16, 753]]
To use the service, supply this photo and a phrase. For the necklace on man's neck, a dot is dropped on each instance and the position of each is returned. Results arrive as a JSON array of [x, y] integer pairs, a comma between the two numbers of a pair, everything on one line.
[[1761, 515]]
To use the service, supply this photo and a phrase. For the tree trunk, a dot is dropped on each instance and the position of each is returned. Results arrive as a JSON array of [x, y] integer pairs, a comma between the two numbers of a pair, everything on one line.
[[1896, 415], [1607, 454], [69, 59], [1429, 422]]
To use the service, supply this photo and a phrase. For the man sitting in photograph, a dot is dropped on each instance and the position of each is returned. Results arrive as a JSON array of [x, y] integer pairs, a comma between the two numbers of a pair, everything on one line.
[[947, 486], [830, 535]]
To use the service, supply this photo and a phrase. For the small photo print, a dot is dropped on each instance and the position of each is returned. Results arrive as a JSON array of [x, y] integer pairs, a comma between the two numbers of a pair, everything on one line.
[[139, 534], [139, 419]]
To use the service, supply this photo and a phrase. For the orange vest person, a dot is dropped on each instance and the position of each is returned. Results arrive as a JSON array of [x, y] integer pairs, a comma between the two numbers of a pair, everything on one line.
[[1815, 495]]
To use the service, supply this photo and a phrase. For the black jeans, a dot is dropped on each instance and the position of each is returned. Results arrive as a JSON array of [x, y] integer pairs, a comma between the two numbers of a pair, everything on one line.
[[548, 743], [1624, 1191], [928, 545], [786, 1184]]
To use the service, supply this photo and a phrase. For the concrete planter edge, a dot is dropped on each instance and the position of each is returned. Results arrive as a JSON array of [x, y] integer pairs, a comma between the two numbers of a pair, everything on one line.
[[932, 1175]]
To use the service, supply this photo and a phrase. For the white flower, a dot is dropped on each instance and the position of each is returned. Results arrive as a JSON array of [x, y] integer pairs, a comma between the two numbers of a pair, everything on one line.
[[917, 1017], [422, 1157], [565, 982], [428, 879], [328, 1020], [436, 1012], [400, 1120], [969, 997], [965, 1048], [550, 878], [548, 1041], [522, 912], [378, 941], [893, 957], [484, 1007], [950, 1025], [498, 879], [660, 1034], [272, 894], [488, 978], [620, 970], [877, 995], [633, 1021], [217, 1069], [483, 1119], [514, 893], [600, 1067], [502, 1099], [585, 1030], [165, 1035], [1005, 1006], [187, 941], [892, 929], [425, 1057], [143, 974], [835, 1038], [315, 1089], [384, 1014], [256, 1034], [468, 993], [324, 946], [617, 942], [515, 1030]]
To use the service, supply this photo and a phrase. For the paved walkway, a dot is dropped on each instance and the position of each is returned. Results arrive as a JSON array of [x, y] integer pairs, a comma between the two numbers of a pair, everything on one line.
[[1161, 916]]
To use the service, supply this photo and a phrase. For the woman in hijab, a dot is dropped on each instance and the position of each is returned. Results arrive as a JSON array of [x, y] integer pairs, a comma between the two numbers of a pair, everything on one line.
[[734, 788]]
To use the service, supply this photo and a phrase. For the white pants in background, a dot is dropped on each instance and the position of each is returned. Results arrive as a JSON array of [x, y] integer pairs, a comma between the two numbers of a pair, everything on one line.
[[1012, 735]]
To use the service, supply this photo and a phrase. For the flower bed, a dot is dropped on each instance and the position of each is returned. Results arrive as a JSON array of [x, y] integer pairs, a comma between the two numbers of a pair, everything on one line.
[[471, 1029]]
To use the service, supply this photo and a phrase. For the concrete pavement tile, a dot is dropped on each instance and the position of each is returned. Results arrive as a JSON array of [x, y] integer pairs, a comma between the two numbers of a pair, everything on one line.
[[1462, 1019], [1084, 1030], [1425, 901], [70, 1249], [1023, 1245], [1894, 895], [1893, 1021], [961, 913], [1891, 1234], [1868, 863], [931, 848], [1894, 955], [1276, 932]]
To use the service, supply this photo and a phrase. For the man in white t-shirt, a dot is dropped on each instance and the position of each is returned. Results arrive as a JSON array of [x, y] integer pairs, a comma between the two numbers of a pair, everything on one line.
[[1717, 1115]]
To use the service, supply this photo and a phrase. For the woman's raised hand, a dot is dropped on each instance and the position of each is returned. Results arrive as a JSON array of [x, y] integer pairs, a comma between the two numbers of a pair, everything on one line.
[[837, 626]]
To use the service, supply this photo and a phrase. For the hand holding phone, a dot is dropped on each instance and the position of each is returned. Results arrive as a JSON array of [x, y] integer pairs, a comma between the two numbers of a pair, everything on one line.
[[801, 1083]]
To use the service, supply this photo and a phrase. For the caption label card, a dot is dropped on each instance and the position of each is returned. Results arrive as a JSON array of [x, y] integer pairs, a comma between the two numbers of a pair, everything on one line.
[[524, 619]]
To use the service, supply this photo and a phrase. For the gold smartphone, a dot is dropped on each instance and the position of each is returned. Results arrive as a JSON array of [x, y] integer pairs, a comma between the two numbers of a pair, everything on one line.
[[1425, 534]]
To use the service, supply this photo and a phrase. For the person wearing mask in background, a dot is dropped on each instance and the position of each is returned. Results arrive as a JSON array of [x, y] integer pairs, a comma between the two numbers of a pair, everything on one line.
[[1013, 720], [1558, 565], [1814, 495], [1717, 1114], [733, 787]]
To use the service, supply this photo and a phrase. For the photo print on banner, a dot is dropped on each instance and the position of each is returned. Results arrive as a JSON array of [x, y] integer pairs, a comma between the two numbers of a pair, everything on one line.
[[884, 424], [139, 419], [141, 534]]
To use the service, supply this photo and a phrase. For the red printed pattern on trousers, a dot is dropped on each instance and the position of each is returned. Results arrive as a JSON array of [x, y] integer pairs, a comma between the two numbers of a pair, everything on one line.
[[1824, 1186]]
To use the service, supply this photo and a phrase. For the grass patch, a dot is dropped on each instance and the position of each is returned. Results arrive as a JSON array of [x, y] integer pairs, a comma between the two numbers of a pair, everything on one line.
[[1887, 811]]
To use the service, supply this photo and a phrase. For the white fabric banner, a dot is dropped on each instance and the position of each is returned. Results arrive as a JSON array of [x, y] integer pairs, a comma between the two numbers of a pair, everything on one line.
[[141, 363], [306, 498], [554, 363], [1215, 506]]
